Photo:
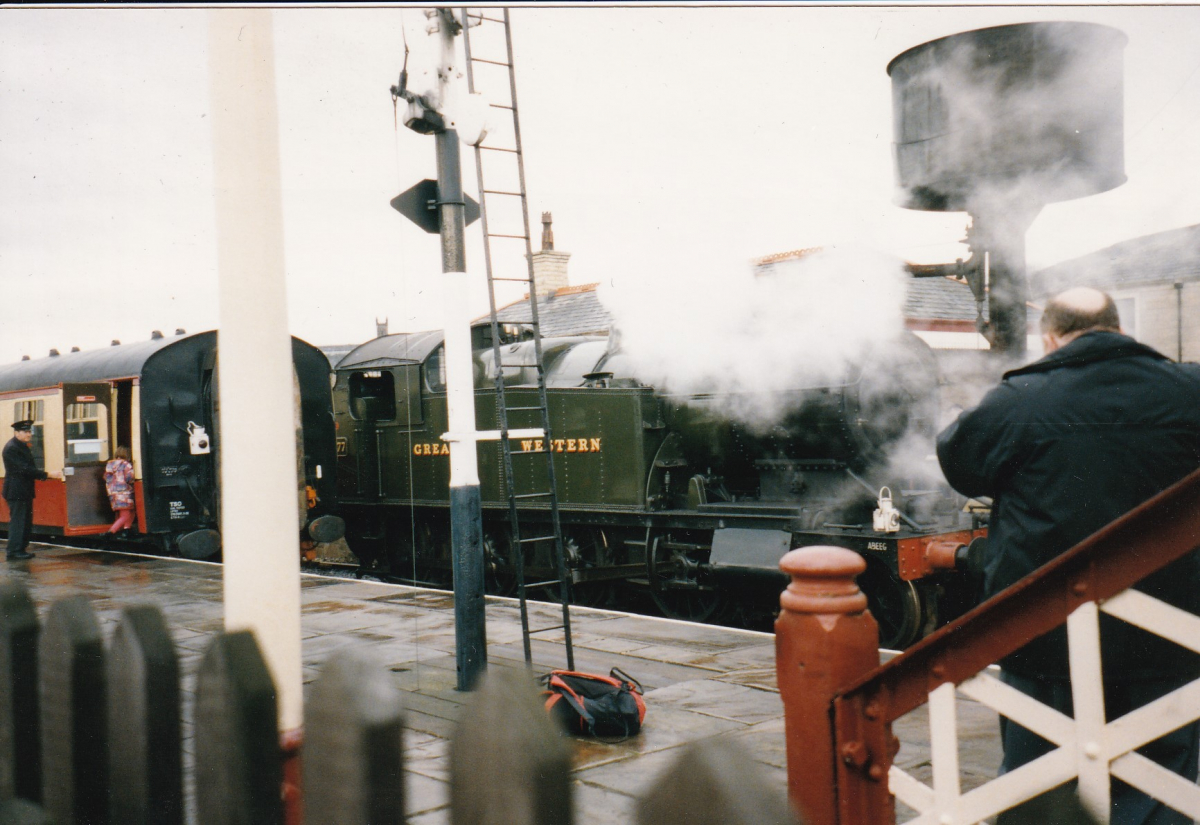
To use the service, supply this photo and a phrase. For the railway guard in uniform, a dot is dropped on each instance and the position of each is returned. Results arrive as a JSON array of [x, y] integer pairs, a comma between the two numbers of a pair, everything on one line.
[[1064, 446], [20, 473]]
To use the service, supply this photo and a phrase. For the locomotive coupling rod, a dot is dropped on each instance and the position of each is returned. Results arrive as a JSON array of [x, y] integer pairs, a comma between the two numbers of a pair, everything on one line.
[[493, 435]]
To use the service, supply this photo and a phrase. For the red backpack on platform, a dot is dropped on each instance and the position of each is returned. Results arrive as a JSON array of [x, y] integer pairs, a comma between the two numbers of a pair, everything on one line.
[[595, 705]]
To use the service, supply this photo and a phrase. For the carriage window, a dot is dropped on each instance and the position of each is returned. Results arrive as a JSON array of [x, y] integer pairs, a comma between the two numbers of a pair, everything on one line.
[[372, 396], [33, 411], [87, 426]]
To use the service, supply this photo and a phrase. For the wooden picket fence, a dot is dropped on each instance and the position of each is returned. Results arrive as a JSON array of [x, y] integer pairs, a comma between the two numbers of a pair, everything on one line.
[[90, 734]]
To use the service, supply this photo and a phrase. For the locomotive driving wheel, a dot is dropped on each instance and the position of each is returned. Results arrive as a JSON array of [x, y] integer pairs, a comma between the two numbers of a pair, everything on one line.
[[678, 584], [500, 576], [586, 548], [902, 610]]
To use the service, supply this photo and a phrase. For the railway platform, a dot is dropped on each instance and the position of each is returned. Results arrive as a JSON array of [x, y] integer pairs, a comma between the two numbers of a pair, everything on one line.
[[700, 680]]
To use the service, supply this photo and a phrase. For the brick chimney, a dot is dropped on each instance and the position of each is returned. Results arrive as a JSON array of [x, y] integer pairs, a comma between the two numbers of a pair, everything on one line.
[[549, 265]]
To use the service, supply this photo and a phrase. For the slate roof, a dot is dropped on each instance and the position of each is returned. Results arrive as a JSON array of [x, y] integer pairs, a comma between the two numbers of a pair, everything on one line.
[[1168, 257], [939, 299], [572, 310], [575, 310]]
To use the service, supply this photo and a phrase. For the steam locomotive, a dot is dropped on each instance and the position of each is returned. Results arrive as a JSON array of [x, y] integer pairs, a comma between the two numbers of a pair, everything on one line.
[[159, 398], [659, 492]]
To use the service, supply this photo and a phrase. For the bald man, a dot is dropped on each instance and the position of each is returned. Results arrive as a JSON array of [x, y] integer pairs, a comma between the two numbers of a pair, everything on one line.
[[1063, 446]]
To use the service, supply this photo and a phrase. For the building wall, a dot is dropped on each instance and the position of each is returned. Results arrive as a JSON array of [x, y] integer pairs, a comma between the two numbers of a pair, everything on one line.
[[1156, 312]]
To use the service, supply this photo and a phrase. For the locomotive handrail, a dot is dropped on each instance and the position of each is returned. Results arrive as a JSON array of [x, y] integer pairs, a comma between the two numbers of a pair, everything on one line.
[[860, 711]]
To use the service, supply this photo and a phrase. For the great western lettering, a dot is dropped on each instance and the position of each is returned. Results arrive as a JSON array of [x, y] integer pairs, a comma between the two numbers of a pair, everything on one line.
[[528, 445]]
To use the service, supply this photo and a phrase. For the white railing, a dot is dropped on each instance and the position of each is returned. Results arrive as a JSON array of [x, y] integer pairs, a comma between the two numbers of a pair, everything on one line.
[[1089, 750]]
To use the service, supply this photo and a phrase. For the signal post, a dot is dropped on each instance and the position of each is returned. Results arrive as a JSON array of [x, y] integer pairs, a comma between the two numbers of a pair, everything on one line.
[[426, 114]]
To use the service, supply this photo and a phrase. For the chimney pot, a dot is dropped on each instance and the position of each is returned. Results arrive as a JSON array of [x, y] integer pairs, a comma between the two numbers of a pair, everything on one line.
[[549, 265]]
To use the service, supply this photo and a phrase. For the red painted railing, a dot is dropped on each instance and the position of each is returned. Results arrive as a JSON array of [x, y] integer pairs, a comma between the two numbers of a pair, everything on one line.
[[839, 703]]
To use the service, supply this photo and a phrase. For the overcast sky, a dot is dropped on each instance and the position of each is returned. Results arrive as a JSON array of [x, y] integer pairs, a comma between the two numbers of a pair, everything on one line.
[[668, 142]]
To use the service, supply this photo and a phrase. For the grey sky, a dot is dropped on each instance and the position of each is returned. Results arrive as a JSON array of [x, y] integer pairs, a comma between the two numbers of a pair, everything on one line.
[[670, 143]]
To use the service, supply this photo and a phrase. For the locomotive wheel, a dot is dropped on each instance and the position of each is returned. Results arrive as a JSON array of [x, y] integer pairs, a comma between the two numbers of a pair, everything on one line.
[[500, 578], [587, 548], [902, 611], [676, 585]]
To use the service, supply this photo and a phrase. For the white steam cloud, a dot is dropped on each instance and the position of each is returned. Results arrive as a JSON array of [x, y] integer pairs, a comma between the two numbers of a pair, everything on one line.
[[791, 324]]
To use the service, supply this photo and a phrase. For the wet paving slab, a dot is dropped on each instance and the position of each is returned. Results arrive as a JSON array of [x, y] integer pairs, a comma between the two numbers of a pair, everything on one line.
[[701, 681]]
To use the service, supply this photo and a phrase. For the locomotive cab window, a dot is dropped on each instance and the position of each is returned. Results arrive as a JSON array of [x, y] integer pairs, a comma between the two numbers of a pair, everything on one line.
[[435, 370], [372, 396], [86, 428]]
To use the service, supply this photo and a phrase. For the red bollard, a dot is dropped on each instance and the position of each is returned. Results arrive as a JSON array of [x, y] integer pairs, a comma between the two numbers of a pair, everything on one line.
[[824, 639]]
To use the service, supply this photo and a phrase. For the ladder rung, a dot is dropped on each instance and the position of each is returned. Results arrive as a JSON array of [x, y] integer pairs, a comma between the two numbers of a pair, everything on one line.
[[522, 409], [492, 62], [500, 149], [542, 584], [501, 106], [502, 192], [536, 539], [532, 495], [522, 280], [551, 627]]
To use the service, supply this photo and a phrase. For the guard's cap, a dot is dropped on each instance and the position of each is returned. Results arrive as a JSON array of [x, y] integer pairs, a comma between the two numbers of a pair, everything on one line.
[[26, 425]]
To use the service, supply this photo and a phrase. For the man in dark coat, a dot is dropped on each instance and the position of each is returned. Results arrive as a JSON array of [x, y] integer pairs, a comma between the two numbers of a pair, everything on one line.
[[20, 472], [1064, 446]]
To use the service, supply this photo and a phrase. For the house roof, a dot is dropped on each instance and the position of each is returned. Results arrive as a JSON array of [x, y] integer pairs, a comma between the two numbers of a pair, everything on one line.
[[939, 299], [576, 310], [1169, 256], [572, 310]]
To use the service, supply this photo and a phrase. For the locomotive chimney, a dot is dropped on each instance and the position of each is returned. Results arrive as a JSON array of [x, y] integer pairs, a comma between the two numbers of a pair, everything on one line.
[[549, 265], [381, 327]]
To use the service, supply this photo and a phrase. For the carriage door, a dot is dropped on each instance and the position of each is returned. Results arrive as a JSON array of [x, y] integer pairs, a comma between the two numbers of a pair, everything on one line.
[[86, 426]]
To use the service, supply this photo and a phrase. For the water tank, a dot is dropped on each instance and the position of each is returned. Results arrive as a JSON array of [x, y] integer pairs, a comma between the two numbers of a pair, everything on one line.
[[1032, 112]]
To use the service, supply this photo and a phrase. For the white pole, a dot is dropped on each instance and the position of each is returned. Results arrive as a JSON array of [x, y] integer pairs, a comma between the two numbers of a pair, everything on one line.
[[466, 519], [257, 436]]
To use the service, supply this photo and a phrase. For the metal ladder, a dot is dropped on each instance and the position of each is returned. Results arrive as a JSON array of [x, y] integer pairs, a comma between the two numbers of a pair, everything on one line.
[[471, 19]]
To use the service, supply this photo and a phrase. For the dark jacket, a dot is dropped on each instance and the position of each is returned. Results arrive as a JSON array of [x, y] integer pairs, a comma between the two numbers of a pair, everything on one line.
[[1064, 446], [20, 471]]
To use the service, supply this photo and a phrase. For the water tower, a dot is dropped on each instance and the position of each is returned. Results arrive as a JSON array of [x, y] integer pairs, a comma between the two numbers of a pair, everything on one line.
[[998, 122]]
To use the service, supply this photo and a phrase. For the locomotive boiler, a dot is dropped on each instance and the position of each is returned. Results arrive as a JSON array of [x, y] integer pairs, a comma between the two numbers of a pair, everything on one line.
[[659, 493]]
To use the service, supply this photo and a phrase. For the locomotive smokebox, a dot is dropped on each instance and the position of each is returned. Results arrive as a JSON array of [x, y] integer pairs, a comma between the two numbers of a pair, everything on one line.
[[999, 122], [1030, 112]]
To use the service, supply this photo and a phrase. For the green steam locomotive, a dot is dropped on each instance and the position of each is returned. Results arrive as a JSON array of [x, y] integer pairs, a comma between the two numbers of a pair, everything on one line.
[[674, 495]]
